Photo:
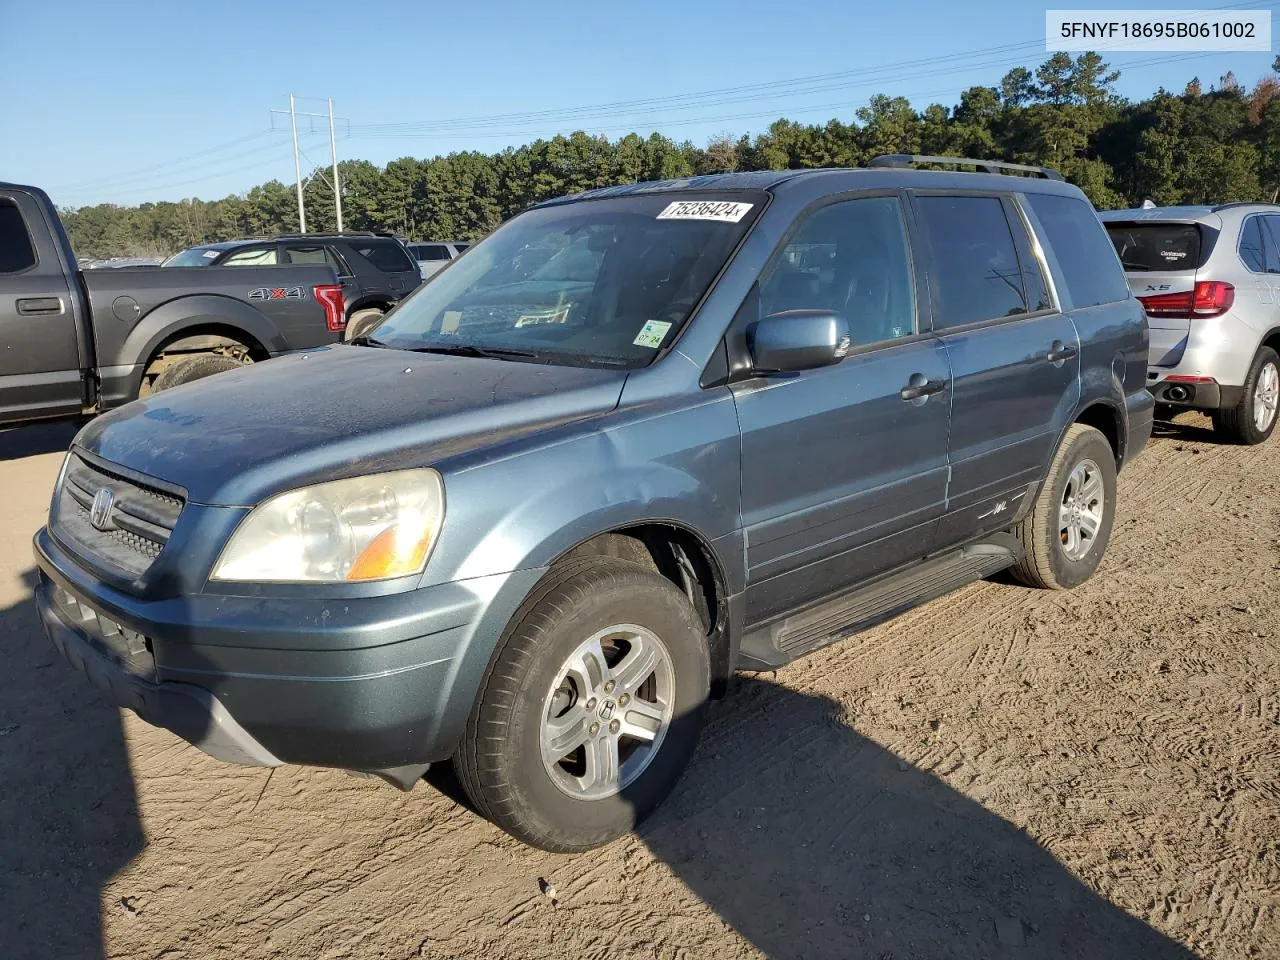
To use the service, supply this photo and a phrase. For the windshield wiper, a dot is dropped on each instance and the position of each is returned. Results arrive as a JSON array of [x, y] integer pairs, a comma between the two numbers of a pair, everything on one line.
[[469, 350], [366, 342]]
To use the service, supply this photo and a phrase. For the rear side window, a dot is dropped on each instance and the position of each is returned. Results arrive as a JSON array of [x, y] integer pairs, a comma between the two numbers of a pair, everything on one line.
[[16, 252], [318, 254], [1158, 247], [1258, 244], [1080, 243], [387, 255], [976, 275], [252, 257]]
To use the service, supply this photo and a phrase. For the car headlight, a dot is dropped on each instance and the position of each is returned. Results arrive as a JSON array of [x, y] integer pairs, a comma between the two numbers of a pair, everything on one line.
[[364, 528]]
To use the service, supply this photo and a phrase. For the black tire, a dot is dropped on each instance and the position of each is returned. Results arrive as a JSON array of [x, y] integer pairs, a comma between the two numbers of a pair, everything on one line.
[[361, 322], [1045, 562], [1236, 424], [195, 367], [499, 761]]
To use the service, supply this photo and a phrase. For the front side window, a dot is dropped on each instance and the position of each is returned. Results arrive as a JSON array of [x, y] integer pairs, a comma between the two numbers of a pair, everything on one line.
[[16, 251], [604, 282], [851, 258], [252, 257], [975, 270], [195, 257]]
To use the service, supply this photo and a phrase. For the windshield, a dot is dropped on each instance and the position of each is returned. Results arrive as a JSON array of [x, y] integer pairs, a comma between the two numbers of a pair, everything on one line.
[[195, 257], [1160, 247], [607, 282]]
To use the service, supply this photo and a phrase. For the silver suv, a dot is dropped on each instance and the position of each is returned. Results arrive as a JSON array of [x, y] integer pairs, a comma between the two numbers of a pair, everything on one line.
[[1209, 278], [433, 256]]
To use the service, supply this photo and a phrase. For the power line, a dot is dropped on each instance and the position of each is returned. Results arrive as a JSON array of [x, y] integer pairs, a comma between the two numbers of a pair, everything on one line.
[[167, 164]]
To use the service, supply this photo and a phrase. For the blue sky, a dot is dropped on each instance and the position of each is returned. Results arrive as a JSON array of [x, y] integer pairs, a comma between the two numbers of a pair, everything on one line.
[[131, 101]]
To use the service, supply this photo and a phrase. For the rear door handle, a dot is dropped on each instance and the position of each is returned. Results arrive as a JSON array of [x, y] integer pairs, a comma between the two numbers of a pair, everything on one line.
[[30, 306], [1060, 351], [920, 388]]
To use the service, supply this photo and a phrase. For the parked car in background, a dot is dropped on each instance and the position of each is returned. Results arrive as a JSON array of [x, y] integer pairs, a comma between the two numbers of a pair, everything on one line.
[[542, 516], [75, 342], [1209, 278], [376, 272], [431, 256]]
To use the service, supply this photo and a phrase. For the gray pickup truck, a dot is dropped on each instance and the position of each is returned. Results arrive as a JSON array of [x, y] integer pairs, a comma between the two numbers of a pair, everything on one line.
[[75, 343]]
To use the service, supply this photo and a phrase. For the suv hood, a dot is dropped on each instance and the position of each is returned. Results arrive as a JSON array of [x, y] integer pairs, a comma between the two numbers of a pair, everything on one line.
[[240, 436]]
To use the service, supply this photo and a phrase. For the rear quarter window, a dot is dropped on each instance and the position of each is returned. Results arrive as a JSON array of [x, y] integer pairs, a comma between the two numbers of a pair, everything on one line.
[[1156, 247], [16, 251], [1079, 242], [386, 255]]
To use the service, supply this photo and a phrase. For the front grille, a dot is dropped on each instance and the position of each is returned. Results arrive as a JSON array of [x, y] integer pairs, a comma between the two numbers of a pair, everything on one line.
[[132, 529]]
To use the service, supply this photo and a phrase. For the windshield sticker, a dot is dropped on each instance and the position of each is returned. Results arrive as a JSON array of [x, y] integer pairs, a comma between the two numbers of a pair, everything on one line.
[[449, 323], [209, 254], [652, 332], [705, 210]]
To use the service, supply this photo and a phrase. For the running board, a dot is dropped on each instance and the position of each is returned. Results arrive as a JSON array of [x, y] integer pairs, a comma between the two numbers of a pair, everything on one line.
[[776, 644]]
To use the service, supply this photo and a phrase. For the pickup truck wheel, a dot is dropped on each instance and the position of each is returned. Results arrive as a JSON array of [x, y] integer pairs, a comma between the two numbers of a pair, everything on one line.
[[195, 367], [590, 709], [1254, 418], [1066, 533], [359, 323]]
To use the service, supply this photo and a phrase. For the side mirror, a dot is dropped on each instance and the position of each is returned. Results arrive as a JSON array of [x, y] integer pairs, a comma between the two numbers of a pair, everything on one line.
[[797, 340]]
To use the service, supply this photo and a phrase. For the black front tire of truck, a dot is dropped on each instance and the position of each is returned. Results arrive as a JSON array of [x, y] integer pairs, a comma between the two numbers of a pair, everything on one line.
[[361, 322], [1253, 419], [195, 367], [1067, 531], [590, 709]]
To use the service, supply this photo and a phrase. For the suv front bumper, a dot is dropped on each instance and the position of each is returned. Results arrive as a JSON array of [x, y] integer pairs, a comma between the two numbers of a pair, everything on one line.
[[248, 680]]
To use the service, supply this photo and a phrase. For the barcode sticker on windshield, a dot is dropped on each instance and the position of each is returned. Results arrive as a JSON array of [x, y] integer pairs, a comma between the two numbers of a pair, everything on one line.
[[705, 210], [651, 334], [210, 254]]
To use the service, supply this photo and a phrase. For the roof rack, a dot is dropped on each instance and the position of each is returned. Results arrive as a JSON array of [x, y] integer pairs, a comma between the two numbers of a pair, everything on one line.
[[1244, 203], [327, 233], [985, 166]]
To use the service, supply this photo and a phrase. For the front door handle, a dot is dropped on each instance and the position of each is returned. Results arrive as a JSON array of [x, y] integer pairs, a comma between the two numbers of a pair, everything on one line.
[[1060, 351], [31, 306], [920, 387]]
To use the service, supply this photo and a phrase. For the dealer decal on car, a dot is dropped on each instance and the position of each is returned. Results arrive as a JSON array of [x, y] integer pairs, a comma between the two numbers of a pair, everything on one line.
[[705, 210]]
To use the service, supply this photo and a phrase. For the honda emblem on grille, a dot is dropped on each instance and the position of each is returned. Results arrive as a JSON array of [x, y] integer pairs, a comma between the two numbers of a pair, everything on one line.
[[100, 512]]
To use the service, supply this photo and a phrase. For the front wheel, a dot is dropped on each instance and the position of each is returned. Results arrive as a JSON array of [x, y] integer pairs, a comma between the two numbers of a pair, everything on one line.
[[1067, 531], [1252, 419], [591, 708]]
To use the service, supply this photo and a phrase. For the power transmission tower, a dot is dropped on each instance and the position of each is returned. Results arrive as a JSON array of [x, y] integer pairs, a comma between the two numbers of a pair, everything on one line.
[[294, 114]]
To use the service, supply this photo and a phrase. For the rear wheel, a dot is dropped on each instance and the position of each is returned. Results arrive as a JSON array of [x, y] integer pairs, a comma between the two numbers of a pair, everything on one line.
[[1067, 531], [591, 708], [362, 321], [196, 367], [1254, 418]]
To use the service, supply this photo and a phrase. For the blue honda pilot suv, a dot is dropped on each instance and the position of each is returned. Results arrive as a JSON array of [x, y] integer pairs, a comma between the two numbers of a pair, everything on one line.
[[635, 440]]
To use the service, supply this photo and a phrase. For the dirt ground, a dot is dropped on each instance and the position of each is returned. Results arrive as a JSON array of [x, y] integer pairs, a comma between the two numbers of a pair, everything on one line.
[[1002, 773]]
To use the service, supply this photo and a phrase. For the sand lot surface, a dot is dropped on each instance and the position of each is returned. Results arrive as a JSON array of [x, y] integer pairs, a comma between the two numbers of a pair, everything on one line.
[[1002, 773]]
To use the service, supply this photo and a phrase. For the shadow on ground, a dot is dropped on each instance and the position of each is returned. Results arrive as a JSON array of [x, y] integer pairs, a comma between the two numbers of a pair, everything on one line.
[[30, 441], [813, 842], [68, 808], [1187, 426]]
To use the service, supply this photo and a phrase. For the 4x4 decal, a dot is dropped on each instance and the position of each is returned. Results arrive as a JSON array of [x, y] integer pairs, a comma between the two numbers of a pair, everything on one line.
[[276, 293]]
